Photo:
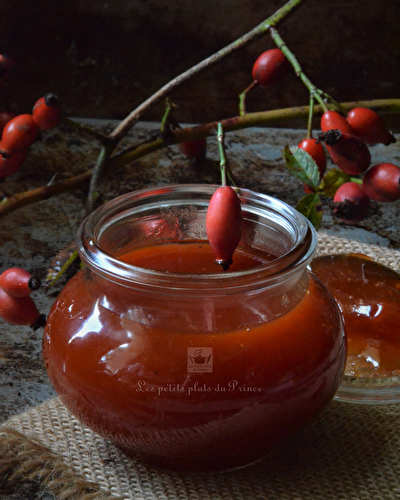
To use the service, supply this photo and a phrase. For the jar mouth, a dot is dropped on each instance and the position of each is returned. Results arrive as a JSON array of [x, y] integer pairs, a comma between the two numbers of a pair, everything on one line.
[[269, 225]]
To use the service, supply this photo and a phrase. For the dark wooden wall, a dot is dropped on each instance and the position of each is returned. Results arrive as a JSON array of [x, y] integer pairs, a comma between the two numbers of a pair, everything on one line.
[[104, 58]]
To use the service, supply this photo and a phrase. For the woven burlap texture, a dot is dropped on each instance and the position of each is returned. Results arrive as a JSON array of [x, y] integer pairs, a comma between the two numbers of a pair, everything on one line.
[[350, 452]]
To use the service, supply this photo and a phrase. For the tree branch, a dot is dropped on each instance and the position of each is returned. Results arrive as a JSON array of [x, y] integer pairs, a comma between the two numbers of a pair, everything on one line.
[[241, 42], [19, 200]]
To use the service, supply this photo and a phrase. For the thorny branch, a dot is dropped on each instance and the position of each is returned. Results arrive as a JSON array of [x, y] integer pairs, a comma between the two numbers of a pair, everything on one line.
[[19, 200]]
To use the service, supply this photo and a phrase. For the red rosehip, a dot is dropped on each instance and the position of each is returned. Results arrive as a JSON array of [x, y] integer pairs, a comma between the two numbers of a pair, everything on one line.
[[47, 112], [195, 150], [369, 126], [317, 152], [382, 182], [18, 283], [20, 310], [5, 117], [332, 120], [224, 223], [270, 67], [10, 165], [347, 151], [19, 134], [350, 203]]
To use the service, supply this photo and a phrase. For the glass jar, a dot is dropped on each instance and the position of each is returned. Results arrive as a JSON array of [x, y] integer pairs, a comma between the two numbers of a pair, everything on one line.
[[187, 370]]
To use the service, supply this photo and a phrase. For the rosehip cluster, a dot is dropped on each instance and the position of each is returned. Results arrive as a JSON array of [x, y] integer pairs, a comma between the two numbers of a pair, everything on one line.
[[347, 140], [21, 131], [16, 305]]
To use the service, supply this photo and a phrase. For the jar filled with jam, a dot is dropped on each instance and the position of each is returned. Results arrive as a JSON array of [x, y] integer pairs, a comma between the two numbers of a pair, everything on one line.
[[192, 368]]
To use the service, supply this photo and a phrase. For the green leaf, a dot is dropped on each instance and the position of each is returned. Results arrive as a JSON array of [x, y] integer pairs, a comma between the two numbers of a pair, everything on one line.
[[302, 166], [310, 206], [332, 181]]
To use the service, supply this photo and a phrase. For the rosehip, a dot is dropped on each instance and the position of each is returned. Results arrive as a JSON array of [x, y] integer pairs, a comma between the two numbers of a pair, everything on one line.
[[350, 203], [224, 223], [46, 112], [18, 282], [20, 311], [348, 152], [10, 165], [270, 67], [195, 150], [317, 152], [382, 182], [369, 127], [5, 117], [332, 120], [19, 134]]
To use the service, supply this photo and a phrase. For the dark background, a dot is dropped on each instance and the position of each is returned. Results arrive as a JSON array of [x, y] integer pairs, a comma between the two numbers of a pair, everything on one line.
[[103, 59]]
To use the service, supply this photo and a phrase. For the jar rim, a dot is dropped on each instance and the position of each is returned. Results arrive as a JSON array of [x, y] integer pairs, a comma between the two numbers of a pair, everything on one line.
[[295, 260]]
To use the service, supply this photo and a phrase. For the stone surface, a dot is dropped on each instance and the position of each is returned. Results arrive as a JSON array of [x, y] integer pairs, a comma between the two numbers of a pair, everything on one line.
[[33, 235]]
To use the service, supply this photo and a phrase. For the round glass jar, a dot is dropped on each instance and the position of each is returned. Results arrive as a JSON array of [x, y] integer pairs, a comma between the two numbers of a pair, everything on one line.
[[187, 370]]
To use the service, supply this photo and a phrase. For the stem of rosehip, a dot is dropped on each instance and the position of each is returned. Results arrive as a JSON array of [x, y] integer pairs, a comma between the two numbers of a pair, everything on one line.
[[242, 98], [310, 117], [222, 154], [168, 120], [314, 91], [356, 180]]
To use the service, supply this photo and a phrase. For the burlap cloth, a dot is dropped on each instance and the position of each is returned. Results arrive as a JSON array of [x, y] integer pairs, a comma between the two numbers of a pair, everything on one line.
[[350, 452]]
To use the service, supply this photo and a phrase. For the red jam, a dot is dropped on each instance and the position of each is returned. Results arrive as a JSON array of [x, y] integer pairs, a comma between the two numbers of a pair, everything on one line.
[[197, 381], [368, 295]]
